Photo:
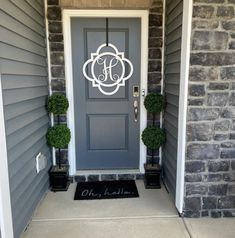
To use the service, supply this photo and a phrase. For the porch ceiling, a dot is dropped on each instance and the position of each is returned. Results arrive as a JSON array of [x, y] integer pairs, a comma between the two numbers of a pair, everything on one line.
[[110, 4]]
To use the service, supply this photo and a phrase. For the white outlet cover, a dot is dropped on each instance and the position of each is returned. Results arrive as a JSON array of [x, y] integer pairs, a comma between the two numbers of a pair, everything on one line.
[[41, 162]]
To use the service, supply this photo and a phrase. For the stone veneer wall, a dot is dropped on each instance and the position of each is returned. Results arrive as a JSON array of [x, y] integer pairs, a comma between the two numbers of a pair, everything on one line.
[[57, 51], [210, 165], [126, 4]]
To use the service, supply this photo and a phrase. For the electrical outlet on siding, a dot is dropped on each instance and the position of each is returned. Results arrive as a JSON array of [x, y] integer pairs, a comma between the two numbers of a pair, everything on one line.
[[41, 162]]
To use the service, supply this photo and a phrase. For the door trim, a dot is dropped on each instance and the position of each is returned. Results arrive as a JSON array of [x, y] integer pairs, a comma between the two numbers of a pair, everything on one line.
[[67, 15]]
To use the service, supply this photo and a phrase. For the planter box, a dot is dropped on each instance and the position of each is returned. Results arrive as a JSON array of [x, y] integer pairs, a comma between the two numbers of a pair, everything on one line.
[[152, 178], [59, 178]]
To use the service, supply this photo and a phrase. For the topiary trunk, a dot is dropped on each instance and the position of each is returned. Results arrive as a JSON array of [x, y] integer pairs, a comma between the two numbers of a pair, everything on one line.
[[59, 153], [152, 159]]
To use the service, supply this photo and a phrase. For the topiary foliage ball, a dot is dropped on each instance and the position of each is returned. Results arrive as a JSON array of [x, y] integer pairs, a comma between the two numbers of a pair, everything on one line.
[[153, 137], [58, 136], [154, 102], [57, 104]]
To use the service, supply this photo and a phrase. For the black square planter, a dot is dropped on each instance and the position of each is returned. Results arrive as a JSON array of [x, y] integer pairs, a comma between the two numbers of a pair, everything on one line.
[[152, 178], [59, 178]]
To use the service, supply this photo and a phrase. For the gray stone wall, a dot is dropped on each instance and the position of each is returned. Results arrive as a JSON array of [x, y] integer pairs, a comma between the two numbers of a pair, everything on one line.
[[57, 49], [56, 45], [117, 4], [155, 55], [210, 164]]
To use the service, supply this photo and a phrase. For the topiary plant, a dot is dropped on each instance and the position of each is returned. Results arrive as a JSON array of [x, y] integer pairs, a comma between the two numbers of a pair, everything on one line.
[[57, 104], [153, 137], [154, 103], [58, 136]]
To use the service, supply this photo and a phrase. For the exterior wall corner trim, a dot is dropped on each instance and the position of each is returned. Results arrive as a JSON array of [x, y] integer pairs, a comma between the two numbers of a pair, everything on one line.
[[183, 101], [6, 224]]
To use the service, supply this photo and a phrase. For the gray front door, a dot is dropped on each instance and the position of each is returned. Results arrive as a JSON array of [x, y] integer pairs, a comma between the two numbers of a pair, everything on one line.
[[106, 124]]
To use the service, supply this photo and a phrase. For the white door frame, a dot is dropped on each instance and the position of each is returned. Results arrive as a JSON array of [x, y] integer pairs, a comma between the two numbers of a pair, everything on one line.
[[67, 15], [6, 224], [183, 102]]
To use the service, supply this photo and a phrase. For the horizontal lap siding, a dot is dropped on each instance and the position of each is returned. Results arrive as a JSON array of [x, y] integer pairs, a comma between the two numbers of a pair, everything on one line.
[[25, 90], [173, 33]]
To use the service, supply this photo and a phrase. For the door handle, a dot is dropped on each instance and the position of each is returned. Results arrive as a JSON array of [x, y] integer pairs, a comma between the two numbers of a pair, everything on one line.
[[136, 110]]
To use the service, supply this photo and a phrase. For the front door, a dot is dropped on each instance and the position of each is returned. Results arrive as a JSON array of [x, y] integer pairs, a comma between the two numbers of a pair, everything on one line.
[[106, 82]]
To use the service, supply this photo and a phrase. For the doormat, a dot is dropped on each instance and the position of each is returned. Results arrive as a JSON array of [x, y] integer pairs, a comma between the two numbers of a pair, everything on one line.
[[106, 190]]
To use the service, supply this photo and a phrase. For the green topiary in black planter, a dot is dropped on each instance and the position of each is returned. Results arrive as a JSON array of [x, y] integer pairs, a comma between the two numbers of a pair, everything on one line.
[[153, 138], [58, 137]]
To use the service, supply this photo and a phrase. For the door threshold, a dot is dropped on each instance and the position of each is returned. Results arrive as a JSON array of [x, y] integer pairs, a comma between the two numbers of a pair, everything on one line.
[[121, 171]]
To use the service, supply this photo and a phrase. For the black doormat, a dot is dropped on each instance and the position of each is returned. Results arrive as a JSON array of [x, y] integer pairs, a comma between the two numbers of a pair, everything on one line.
[[106, 190]]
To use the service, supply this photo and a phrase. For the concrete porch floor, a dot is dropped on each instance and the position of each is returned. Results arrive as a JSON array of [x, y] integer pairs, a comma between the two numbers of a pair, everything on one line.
[[151, 215]]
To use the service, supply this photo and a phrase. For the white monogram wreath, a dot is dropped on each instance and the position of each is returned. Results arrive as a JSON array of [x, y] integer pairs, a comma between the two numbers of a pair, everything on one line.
[[106, 62]]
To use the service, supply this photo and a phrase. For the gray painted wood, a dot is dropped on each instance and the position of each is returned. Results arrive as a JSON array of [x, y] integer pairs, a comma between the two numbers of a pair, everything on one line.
[[110, 135], [174, 10], [25, 89]]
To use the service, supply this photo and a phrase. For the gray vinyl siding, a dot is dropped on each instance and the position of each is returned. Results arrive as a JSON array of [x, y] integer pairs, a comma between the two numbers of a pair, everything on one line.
[[173, 32], [24, 81]]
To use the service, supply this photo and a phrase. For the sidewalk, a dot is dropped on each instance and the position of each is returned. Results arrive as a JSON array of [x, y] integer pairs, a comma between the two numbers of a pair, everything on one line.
[[211, 228], [129, 228], [134, 228], [151, 215]]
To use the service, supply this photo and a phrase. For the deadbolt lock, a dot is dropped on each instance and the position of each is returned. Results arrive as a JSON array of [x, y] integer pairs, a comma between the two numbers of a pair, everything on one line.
[[136, 91]]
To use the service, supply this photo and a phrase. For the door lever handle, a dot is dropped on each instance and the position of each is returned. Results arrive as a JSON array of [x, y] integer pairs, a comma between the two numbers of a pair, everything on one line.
[[136, 111]]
